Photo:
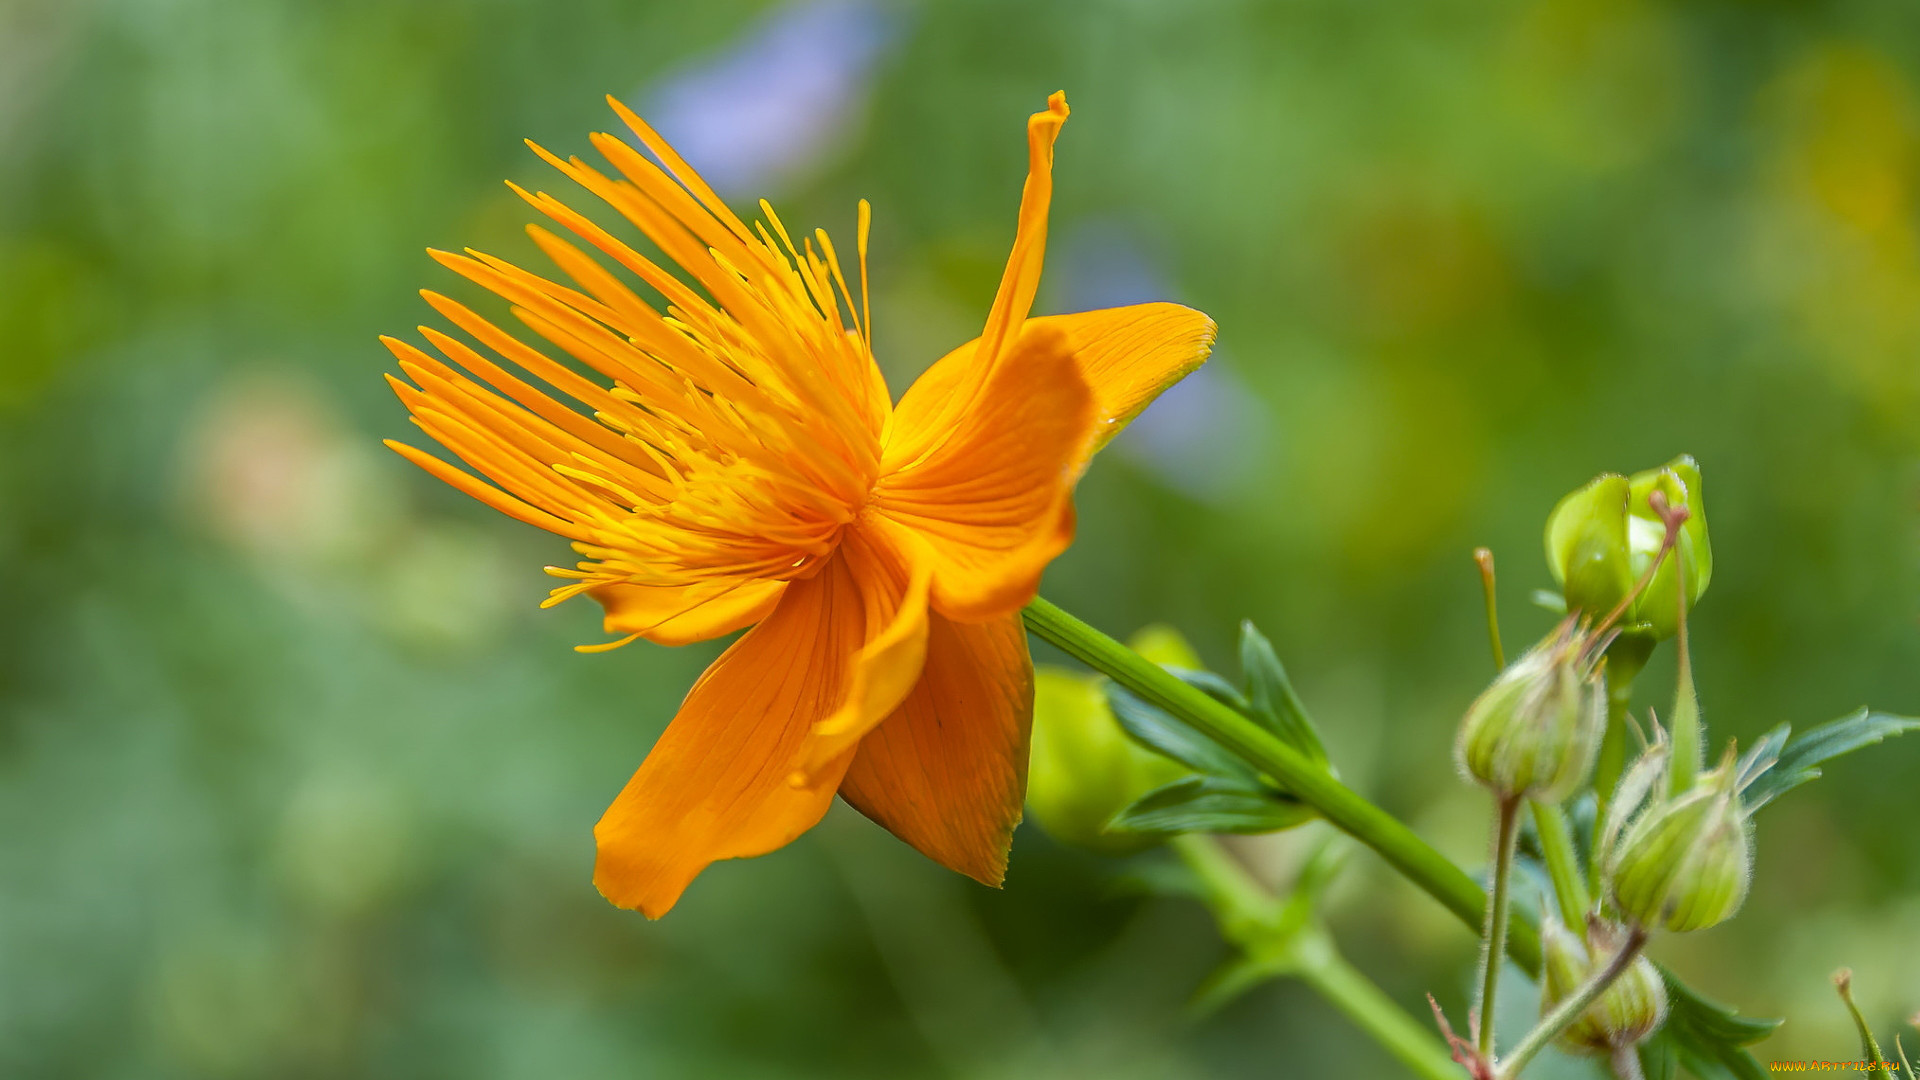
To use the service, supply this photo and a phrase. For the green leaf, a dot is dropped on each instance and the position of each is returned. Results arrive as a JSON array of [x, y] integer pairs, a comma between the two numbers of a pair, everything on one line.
[[1708, 1038], [1210, 804], [1214, 687], [1275, 705], [1800, 758], [1550, 600], [1658, 1059], [1162, 733]]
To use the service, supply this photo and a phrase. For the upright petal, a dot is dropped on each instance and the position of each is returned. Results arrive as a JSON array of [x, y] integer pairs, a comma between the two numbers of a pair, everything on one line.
[[1011, 302], [993, 502], [1128, 356], [715, 786], [947, 771]]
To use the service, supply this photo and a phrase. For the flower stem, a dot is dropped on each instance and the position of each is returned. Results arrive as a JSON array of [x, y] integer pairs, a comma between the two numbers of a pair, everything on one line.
[[1626, 1064], [1293, 771], [1483, 557], [1563, 867], [1231, 892], [1564, 1014], [1493, 944], [1378, 1015], [1239, 901]]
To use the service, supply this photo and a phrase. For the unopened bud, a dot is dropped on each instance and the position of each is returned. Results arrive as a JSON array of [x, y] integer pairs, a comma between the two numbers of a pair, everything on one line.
[[1534, 730], [1603, 538], [1628, 1011], [1083, 769], [1679, 481], [1683, 862]]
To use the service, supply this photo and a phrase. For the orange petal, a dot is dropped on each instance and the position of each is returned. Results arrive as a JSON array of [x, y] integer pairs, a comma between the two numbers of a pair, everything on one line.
[[1011, 302], [947, 771], [683, 615], [993, 501], [715, 786], [1128, 355], [887, 666]]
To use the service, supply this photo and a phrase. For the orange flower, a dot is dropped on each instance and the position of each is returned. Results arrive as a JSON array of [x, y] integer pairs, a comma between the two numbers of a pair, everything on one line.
[[747, 468]]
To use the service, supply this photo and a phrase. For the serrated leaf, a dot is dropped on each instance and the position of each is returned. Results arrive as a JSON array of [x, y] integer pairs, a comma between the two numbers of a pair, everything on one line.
[[1165, 734], [1708, 1038], [1210, 804], [1801, 757], [1734, 1065], [1658, 1059], [1274, 704]]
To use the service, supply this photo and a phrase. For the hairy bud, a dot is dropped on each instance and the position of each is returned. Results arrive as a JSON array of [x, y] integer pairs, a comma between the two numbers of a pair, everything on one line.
[[1625, 1014], [1534, 730], [1682, 862]]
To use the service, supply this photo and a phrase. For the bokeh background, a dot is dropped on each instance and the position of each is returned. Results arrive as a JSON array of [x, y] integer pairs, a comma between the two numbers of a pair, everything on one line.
[[296, 780]]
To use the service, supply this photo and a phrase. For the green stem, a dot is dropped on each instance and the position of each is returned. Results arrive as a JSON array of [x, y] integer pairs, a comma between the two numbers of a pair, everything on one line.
[[1877, 1064], [1413, 857], [1233, 894], [1685, 717], [1506, 831], [1483, 557], [1565, 1013], [1563, 866], [1613, 761], [1377, 1014], [1238, 901]]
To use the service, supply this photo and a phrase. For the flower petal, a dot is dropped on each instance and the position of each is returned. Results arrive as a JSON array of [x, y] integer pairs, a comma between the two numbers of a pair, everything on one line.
[[715, 785], [1011, 302], [1128, 355], [671, 615], [886, 668], [993, 502], [947, 771]]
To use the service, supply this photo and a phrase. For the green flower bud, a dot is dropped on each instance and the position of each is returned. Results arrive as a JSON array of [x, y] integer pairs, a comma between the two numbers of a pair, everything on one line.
[[1658, 606], [1602, 539], [1533, 731], [1083, 768], [1682, 863], [1628, 1011]]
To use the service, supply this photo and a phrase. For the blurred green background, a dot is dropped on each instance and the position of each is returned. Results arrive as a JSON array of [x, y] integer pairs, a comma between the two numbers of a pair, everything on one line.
[[295, 779]]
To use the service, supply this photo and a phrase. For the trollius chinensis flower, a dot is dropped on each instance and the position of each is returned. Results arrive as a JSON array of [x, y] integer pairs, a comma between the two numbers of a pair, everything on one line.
[[738, 462]]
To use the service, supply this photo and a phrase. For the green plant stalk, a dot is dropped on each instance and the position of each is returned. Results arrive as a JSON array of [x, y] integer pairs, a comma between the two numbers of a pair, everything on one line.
[[1843, 981], [1564, 1014], [1238, 900], [1685, 717], [1352, 814], [1377, 1014], [1506, 832], [1563, 866], [1613, 761]]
